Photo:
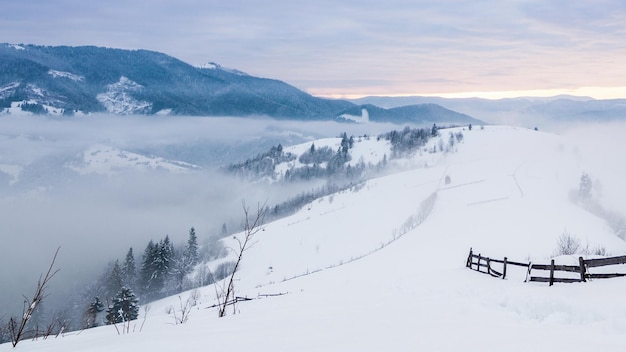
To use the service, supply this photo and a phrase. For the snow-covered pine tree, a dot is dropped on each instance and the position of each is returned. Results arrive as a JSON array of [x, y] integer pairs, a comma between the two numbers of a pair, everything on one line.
[[191, 252], [162, 264], [584, 190], [91, 314], [129, 269], [147, 269], [114, 281], [124, 307]]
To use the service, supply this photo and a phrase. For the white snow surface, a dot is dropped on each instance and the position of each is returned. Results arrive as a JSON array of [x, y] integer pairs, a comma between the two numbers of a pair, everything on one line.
[[364, 118], [63, 74], [215, 66], [117, 99], [8, 89], [106, 160], [381, 267]]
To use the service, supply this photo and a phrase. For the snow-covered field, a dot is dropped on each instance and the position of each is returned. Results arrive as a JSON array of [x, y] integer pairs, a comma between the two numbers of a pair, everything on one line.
[[382, 266]]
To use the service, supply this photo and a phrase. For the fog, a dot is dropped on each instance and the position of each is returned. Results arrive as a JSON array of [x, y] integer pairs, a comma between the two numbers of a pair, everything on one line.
[[600, 148], [94, 219]]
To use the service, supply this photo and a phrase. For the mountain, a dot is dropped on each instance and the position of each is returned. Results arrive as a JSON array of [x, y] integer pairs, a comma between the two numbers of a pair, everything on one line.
[[382, 265], [66, 80], [422, 114], [557, 111], [92, 79]]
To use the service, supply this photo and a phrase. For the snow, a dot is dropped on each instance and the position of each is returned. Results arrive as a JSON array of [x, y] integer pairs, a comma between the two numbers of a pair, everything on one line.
[[105, 160], [8, 89], [16, 46], [215, 66], [62, 74], [164, 112], [382, 266], [364, 118], [117, 98]]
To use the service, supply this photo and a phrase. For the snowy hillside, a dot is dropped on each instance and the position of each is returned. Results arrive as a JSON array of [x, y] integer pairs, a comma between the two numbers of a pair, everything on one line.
[[106, 160], [381, 266]]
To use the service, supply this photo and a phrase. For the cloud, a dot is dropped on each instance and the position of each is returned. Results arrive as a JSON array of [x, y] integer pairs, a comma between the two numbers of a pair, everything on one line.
[[555, 44], [96, 218]]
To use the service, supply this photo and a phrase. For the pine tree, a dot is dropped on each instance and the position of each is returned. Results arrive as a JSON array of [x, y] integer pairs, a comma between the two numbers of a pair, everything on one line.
[[434, 132], [584, 190], [147, 269], [191, 252], [129, 270], [114, 281], [124, 307], [91, 315]]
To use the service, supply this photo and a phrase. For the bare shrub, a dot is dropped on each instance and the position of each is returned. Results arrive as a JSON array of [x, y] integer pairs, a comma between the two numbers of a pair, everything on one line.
[[181, 315], [567, 244], [17, 327], [251, 226], [600, 250]]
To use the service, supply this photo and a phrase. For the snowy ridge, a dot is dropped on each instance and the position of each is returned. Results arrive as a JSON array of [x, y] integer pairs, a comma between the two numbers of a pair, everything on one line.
[[118, 99], [215, 66], [61, 74], [8, 89], [105, 160], [382, 265], [15, 46]]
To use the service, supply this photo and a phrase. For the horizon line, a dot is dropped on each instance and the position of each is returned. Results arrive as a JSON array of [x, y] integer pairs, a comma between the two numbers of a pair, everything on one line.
[[596, 93]]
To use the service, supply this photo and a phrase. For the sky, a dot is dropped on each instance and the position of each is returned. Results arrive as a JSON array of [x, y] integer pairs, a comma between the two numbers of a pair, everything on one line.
[[355, 48]]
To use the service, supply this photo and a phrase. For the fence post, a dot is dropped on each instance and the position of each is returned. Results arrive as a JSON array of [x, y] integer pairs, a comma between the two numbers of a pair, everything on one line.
[[504, 269], [530, 268], [478, 264], [469, 259], [551, 272], [581, 262]]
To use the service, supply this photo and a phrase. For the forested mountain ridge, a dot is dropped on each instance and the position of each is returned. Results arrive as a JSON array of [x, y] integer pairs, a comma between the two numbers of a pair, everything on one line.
[[63, 80]]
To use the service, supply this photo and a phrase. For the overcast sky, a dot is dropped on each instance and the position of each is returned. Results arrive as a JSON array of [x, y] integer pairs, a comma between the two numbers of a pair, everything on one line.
[[356, 48]]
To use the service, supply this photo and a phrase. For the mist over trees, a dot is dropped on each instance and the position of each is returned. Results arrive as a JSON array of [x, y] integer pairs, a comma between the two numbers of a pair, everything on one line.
[[161, 267]]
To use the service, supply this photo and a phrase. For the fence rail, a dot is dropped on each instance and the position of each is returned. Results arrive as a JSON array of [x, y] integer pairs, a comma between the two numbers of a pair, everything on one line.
[[478, 262]]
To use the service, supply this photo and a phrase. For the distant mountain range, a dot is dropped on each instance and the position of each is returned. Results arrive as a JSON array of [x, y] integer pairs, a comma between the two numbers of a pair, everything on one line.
[[65, 80], [528, 111]]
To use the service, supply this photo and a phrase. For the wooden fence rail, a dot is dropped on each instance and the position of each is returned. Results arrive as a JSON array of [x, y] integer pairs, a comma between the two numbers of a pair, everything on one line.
[[476, 262]]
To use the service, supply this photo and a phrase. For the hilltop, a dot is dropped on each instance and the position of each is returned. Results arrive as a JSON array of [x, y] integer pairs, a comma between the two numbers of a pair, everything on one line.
[[381, 265]]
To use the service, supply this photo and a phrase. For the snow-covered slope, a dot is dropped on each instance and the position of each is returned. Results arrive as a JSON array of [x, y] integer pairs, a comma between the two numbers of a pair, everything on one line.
[[382, 266], [118, 100], [106, 160]]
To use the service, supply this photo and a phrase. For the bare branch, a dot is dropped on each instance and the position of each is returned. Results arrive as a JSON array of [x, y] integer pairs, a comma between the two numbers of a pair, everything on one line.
[[17, 331], [250, 228]]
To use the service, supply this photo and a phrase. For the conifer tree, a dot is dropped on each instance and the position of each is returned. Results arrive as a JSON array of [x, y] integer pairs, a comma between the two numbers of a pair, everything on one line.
[[584, 190], [191, 252], [434, 132], [114, 281], [91, 315], [129, 270], [124, 307], [147, 269]]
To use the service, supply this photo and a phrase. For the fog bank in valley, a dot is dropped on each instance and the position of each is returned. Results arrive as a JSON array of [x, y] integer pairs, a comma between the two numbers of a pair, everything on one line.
[[95, 218]]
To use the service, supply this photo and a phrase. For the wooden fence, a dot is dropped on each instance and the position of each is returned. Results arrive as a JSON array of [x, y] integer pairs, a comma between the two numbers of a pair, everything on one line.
[[581, 271], [484, 264]]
